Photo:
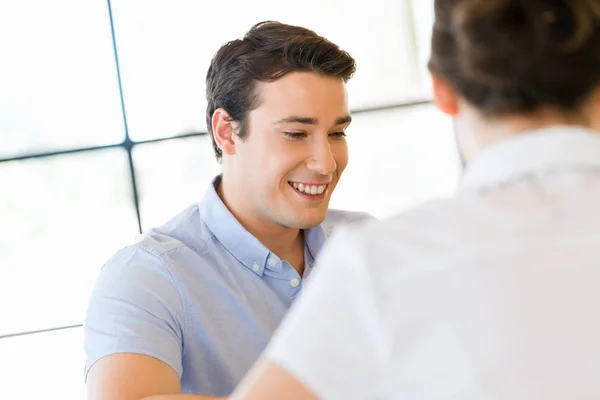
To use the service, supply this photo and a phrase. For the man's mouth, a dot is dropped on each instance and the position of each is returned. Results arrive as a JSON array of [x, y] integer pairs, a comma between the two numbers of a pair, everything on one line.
[[309, 189]]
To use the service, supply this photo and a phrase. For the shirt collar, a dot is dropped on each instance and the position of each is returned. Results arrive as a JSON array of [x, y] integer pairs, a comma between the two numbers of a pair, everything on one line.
[[536, 152], [246, 248], [314, 238]]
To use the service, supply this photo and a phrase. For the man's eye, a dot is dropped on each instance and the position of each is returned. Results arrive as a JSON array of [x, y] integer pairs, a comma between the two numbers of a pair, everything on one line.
[[295, 135]]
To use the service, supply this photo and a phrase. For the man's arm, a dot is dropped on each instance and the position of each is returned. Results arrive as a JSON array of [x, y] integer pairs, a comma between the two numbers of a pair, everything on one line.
[[129, 376], [183, 397], [269, 381], [135, 311]]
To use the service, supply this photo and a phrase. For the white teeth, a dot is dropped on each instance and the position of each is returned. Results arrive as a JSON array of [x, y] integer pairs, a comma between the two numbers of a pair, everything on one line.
[[309, 189]]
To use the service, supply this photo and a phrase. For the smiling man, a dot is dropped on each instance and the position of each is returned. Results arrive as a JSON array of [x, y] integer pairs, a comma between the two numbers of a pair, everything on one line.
[[189, 308]]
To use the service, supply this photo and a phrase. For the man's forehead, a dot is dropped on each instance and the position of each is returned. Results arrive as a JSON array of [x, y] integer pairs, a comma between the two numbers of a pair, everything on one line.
[[311, 104], [301, 85]]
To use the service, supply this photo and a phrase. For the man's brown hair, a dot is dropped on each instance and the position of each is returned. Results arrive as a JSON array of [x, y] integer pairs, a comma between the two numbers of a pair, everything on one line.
[[266, 53]]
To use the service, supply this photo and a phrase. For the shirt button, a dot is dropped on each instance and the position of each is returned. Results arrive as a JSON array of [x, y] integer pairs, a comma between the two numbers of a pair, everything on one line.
[[272, 262], [255, 267], [295, 282]]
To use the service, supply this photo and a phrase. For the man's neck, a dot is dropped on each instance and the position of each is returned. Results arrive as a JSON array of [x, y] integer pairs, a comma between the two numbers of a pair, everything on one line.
[[285, 242]]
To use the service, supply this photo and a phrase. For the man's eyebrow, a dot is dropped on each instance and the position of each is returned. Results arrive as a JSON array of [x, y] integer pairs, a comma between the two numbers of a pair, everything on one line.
[[297, 120], [311, 121], [343, 120]]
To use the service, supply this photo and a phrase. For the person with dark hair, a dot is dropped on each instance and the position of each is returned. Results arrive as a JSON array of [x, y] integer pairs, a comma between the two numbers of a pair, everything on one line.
[[491, 294], [191, 305]]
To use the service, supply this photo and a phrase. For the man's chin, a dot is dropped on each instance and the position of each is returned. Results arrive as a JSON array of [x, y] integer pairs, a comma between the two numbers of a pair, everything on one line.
[[301, 216], [308, 222]]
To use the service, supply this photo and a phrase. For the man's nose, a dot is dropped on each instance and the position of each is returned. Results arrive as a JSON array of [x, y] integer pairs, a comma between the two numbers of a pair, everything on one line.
[[322, 160]]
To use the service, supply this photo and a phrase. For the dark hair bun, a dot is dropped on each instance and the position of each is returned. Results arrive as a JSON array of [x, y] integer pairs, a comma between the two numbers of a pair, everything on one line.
[[533, 52]]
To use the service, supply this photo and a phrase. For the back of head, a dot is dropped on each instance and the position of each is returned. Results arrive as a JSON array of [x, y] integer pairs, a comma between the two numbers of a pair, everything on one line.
[[516, 56], [267, 52]]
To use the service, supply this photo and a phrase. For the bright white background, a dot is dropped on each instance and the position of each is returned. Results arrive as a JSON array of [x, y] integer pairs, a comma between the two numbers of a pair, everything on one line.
[[62, 216]]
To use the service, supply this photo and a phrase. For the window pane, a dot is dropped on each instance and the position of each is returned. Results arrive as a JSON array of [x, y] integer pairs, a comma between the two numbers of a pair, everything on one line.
[[398, 158], [184, 170], [58, 82], [62, 217], [165, 50], [43, 366], [423, 18]]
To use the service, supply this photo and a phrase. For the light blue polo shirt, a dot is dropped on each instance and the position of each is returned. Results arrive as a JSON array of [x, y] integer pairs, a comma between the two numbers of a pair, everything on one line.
[[199, 293]]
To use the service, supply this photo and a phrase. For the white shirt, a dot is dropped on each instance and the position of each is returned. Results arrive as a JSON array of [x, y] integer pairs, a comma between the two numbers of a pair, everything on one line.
[[492, 294]]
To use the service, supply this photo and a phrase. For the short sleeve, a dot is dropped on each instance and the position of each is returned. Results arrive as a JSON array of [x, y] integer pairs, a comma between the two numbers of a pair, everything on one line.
[[333, 340], [135, 307]]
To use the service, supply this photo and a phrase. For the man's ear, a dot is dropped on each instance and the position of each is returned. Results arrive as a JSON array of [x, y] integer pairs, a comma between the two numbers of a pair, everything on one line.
[[593, 109], [224, 130], [444, 96]]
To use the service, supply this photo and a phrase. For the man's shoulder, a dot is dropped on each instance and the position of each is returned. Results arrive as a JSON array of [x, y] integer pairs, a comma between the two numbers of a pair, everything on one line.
[[184, 230]]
